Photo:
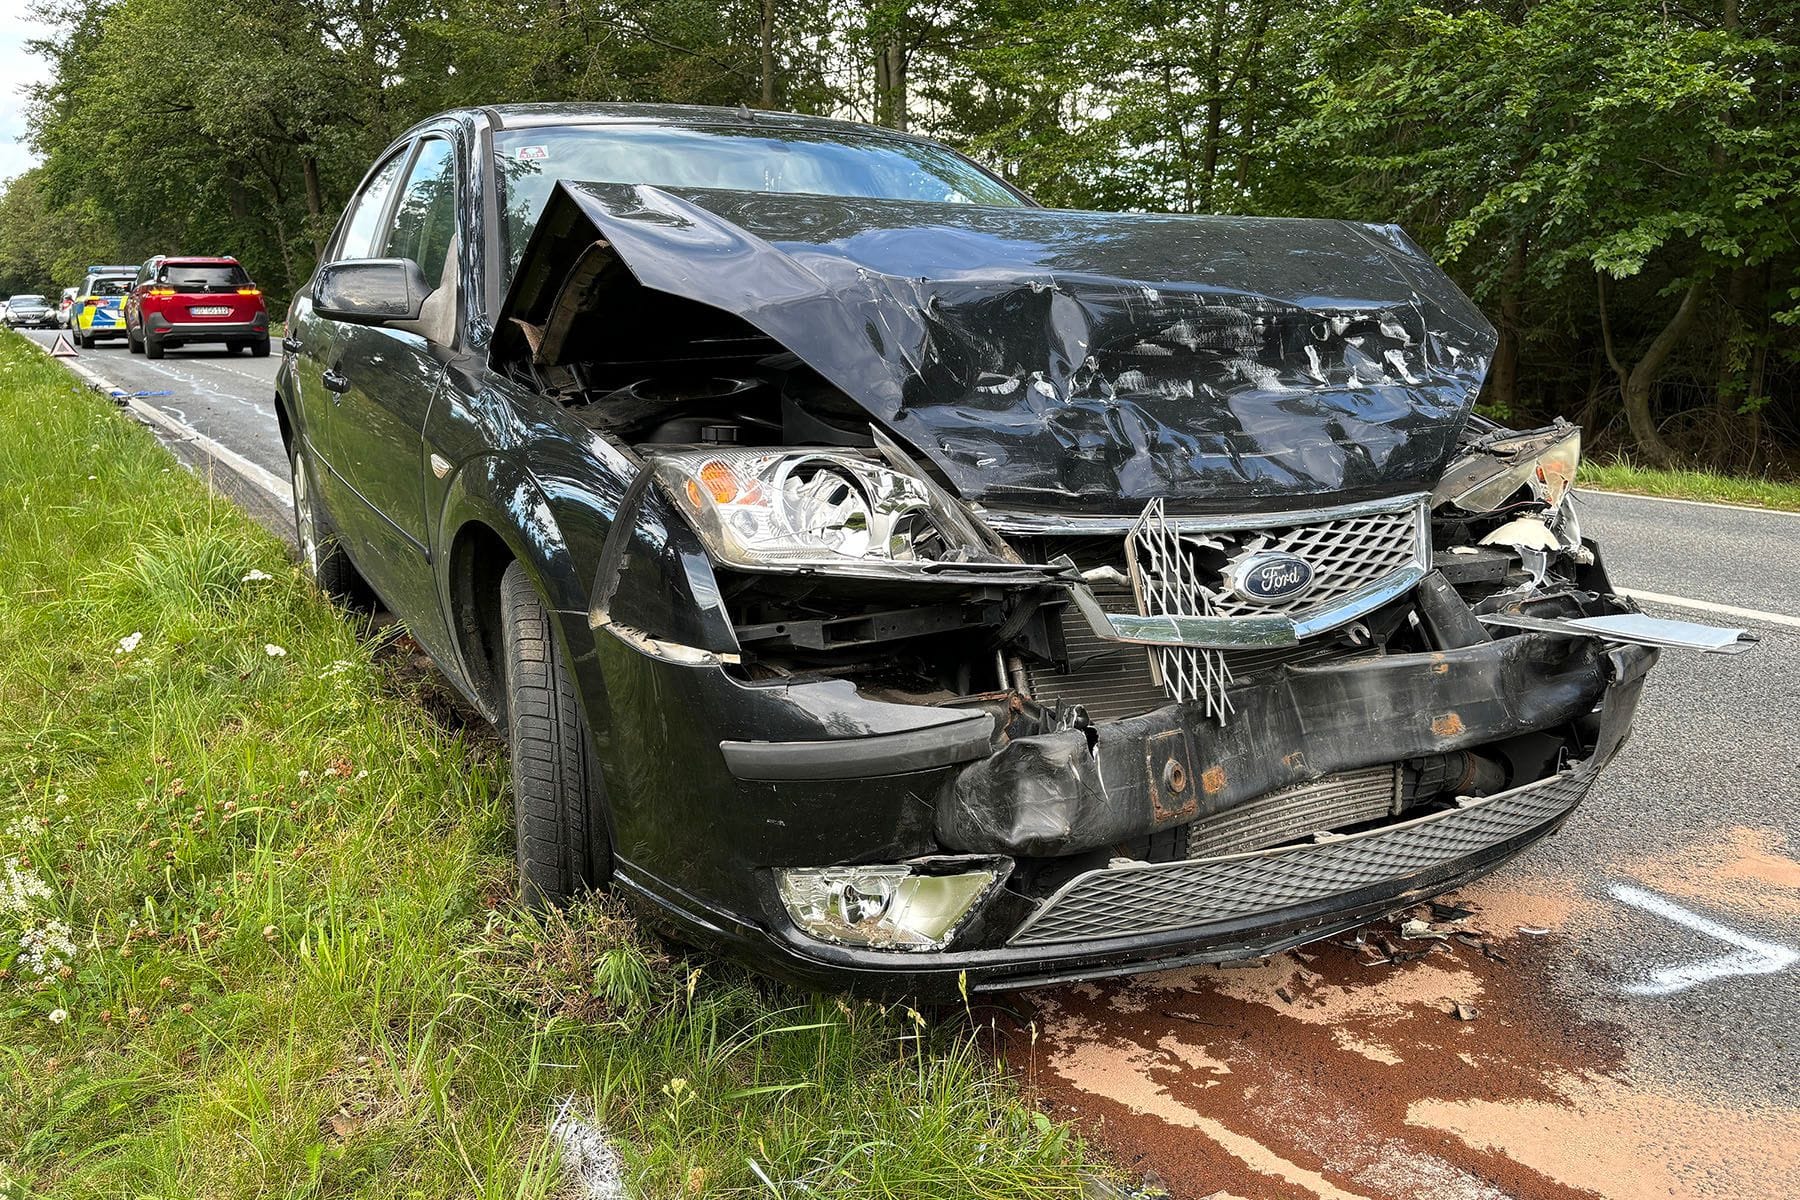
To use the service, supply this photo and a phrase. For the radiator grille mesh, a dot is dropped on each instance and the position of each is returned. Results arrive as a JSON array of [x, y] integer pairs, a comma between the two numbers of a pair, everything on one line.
[[1333, 802], [1142, 898]]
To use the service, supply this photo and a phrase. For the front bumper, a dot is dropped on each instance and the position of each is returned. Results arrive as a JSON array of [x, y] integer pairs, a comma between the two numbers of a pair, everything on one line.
[[1115, 918]]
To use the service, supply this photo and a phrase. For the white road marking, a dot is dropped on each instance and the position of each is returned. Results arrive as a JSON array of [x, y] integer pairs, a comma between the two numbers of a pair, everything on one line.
[[1587, 490], [1724, 610], [261, 476], [1753, 956]]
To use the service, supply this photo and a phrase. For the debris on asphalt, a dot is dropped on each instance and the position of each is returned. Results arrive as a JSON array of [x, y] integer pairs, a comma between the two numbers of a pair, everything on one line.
[[1414, 929], [1463, 1011], [1534, 930], [1442, 912]]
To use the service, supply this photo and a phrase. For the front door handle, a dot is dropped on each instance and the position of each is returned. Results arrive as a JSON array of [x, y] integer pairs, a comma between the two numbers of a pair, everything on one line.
[[335, 383], [291, 344]]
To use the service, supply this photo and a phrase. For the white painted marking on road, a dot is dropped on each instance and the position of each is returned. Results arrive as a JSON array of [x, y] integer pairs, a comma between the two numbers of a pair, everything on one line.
[[262, 477], [1747, 508], [1753, 956], [1724, 610]]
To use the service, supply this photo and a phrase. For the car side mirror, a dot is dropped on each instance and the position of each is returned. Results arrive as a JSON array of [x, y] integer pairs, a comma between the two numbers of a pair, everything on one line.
[[370, 291]]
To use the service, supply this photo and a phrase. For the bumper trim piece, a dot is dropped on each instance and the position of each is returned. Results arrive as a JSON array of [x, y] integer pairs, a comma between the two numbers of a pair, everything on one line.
[[861, 757]]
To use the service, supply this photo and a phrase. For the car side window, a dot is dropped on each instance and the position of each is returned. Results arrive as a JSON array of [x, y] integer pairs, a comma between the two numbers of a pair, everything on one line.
[[366, 211], [425, 218]]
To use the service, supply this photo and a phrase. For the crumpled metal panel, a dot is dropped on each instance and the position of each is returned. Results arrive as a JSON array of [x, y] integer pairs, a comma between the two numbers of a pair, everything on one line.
[[1082, 360]]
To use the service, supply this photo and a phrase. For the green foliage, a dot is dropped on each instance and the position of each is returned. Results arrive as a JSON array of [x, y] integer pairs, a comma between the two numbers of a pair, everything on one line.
[[257, 931], [1541, 148]]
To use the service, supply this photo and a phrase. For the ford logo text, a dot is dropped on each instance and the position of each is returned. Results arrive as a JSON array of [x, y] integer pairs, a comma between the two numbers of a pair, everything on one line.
[[1272, 577]]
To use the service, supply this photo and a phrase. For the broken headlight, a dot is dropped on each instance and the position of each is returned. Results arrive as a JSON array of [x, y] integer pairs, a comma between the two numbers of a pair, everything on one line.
[[888, 907], [1544, 460], [778, 508]]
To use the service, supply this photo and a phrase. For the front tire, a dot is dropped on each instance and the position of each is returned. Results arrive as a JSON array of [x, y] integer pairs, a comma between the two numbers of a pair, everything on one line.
[[320, 554], [133, 342], [559, 799]]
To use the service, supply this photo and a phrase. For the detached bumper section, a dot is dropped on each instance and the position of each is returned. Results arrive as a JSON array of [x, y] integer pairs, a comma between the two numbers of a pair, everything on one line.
[[1066, 797]]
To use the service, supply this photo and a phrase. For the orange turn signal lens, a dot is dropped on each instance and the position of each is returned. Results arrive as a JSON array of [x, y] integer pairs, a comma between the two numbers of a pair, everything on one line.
[[249, 291], [162, 291], [719, 480]]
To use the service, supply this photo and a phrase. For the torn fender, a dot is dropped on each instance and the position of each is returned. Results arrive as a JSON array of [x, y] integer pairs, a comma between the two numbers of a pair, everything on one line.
[[1037, 356], [1055, 794]]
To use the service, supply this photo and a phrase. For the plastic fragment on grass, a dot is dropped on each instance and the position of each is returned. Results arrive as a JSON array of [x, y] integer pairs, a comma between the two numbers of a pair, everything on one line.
[[591, 1166]]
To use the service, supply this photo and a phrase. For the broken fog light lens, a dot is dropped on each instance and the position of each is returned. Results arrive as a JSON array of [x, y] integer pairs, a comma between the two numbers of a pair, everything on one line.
[[1545, 460], [772, 508], [888, 907]]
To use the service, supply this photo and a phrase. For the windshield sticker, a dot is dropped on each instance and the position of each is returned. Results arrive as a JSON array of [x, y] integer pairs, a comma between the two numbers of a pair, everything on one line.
[[534, 152]]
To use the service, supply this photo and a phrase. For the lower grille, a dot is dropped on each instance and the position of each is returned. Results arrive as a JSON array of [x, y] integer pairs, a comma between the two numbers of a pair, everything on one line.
[[1143, 898], [1329, 803]]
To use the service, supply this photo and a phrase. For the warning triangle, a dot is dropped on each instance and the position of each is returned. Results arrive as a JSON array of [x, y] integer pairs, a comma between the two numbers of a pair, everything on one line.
[[62, 349]]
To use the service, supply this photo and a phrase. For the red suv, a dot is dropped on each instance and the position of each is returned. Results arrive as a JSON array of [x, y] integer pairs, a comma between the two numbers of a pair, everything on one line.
[[177, 301]]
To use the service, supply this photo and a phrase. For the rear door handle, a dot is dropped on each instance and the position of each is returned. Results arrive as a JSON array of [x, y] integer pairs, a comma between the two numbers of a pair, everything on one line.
[[334, 382]]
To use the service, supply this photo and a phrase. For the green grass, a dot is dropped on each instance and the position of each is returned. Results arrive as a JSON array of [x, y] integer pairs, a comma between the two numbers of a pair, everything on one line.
[[1687, 484], [280, 893]]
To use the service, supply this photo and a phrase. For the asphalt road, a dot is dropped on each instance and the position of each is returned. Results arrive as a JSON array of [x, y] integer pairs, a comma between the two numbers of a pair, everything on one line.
[[1632, 985]]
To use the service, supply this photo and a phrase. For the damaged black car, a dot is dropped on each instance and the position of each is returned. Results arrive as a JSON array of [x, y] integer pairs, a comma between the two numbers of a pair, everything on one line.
[[901, 586]]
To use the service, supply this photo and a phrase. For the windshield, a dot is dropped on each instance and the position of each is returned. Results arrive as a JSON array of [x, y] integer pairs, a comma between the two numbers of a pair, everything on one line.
[[28, 301], [116, 286], [528, 162]]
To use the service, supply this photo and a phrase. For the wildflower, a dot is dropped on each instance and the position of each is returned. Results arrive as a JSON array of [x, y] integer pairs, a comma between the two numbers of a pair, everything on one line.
[[129, 642], [273, 651], [58, 1015], [256, 576], [46, 949], [20, 885]]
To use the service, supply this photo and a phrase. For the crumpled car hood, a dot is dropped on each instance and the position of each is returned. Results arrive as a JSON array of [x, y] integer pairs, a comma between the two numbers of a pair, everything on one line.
[[1063, 359]]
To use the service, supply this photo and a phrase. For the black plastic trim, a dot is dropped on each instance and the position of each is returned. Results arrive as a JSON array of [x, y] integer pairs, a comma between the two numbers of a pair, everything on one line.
[[859, 758]]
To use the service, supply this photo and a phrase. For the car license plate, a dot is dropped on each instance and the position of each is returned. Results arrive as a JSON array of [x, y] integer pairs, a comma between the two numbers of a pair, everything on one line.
[[211, 310]]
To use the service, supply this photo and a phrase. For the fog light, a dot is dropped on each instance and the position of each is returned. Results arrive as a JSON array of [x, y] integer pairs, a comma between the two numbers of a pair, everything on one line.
[[890, 907]]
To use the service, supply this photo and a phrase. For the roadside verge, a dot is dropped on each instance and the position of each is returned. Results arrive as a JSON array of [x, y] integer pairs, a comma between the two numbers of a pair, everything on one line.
[[257, 931]]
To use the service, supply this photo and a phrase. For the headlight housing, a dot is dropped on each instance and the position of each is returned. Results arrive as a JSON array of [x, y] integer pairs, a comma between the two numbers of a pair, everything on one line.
[[761, 509], [890, 907], [1545, 460]]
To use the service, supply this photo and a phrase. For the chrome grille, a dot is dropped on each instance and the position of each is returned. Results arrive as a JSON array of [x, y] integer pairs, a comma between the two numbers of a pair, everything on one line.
[[1333, 802], [1112, 680], [1345, 554], [1141, 898]]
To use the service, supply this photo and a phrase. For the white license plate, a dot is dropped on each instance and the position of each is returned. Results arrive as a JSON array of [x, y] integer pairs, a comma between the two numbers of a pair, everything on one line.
[[211, 310]]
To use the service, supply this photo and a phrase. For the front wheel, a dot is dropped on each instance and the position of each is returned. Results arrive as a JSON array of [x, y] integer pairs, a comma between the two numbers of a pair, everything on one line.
[[559, 799], [133, 342], [320, 554]]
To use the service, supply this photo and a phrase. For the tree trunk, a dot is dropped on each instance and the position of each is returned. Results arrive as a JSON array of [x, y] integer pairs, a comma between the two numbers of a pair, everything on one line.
[[1637, 384], [767, 33], [890, 85], [315, 201], [1503, 377]]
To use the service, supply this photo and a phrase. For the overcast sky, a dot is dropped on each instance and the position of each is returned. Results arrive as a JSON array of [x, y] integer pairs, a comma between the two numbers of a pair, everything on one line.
[[18, 69]]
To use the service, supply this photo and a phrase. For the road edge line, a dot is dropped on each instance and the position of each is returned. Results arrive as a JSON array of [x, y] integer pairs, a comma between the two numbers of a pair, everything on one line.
[[1588, 489], [250, 472], [1724, 610]]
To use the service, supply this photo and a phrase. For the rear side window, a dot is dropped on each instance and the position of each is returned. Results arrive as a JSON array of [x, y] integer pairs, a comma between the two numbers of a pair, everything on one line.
[[366, 210], [425, 218], [203, 277]]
